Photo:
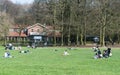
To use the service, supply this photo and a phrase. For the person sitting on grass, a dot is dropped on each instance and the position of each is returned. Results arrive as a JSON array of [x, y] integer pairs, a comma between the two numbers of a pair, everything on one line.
[[95, 48], [96, 56], [24, 51], [99, 53], [66, 53], [28, 46], [107, 53], [7, 54]]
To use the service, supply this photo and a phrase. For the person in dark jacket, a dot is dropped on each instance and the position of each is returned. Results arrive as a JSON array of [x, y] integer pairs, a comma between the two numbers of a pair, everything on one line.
[[99, 53], [109, 52]]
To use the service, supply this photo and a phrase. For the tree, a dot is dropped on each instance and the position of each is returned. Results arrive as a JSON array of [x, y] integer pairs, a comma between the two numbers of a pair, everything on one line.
[[5, 23], [39, 11], [102, 11]]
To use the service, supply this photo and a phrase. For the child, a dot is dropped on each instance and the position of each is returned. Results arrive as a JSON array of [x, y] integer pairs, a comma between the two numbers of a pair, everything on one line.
[[66, 53]]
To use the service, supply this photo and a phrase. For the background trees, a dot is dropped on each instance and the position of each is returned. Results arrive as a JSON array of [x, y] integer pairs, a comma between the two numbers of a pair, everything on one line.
[[76, 19], [5, 19], [80, 18]]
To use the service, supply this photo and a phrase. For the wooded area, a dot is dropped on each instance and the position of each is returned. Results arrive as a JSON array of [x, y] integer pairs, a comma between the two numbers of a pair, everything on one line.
[[76, 19]]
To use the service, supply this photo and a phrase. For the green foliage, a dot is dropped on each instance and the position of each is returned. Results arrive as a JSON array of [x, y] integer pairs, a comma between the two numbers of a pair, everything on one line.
[[47, 61]]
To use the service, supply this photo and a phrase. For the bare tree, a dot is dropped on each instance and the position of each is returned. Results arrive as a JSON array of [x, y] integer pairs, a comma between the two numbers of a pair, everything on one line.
[[5, 23]]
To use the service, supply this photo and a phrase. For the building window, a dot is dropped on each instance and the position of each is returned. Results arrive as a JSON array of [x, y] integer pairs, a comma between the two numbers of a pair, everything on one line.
[[32, 30], [38, 30], [16, 30]]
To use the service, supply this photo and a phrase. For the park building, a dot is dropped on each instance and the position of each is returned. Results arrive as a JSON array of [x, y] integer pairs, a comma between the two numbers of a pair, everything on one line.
[[37, 34]]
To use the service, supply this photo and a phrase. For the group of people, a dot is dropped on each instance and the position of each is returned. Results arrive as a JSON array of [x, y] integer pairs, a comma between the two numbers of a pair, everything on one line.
[[98, 54], [9, 47], [105, 54]]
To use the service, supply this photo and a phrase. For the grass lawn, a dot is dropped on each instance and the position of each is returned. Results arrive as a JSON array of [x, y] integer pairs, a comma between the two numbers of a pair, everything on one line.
[[46, 61]]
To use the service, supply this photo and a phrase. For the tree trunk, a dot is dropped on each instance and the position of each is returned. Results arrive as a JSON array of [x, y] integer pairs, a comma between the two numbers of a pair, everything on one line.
[[118, 38], [69, 42], [78, 30], [5, 41], [103, 37], [81, 39], [85, 20], [54, 37], [54, 14], [85, 29], [62, 41]]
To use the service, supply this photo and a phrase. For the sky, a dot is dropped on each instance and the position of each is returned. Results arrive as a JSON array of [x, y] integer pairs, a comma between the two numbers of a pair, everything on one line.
[[22, 1]]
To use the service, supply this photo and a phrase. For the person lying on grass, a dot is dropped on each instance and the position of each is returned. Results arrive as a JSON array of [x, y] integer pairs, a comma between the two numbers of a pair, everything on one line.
[[65, 53], [24, 51]]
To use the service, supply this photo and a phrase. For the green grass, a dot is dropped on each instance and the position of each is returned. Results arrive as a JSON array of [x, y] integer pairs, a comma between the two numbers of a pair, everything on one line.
[[46, 61]]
